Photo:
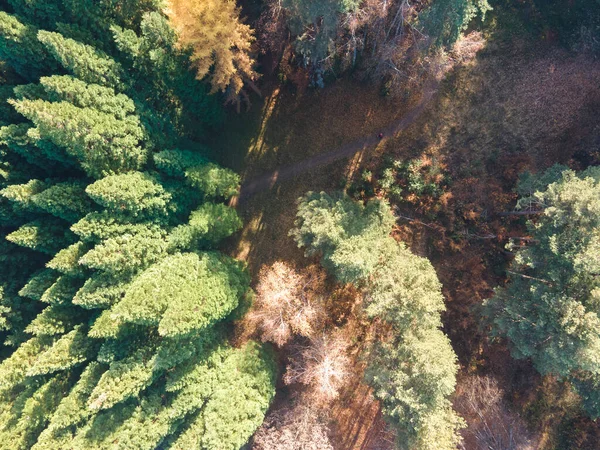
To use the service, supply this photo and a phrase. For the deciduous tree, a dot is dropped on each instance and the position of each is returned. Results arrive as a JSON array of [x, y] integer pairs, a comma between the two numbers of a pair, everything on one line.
[[288, 303], [221, 43]]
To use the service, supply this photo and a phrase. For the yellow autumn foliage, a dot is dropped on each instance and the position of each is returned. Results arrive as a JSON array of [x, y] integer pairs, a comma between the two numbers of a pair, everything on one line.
[[220, 41]]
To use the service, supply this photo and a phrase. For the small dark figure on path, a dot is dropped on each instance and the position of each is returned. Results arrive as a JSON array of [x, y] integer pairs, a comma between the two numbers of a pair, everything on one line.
[[380, 136]]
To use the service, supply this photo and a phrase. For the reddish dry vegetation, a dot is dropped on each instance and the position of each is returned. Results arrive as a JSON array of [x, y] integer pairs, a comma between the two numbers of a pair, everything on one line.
[[521, 111], [313, 322], [323, 401], [288, 303], [491, 423]]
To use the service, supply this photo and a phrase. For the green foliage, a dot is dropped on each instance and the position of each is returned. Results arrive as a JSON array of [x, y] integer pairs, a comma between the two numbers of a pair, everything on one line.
[[406, 288], [47, 236], [530, 183], [101, 291], [587, 385], [25, 141], [576, 24], [165, 79], [83, 15], [123, 379], [102, 143], [21, 432], [21, 50], [413, 377], [208, 225], [72, 349], [22, 194], [213, 181], [175, 162], [54, 320], [445, 20], [553, 299], [231, 414], [142, 426], [66, 261], [127, 253], [401, 181], [83, 61], [183, 294], [347, 234], [134, 193], [210, 179], [64, 200], [413, 369], [14, 368], [314, 42], [99, 226], [38, 284], [59, 88], [71, 409], [62, 290], [104, 293]]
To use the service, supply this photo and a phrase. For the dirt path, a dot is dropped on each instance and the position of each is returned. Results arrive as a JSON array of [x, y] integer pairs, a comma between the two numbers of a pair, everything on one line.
[[266, 181]]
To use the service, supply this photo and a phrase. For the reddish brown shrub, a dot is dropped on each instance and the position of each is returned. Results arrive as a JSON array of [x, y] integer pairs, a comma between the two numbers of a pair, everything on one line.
[[491, 424], [297, 427]]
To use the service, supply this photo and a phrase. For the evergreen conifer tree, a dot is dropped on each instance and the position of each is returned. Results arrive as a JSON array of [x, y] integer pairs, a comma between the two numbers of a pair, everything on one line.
[[114, 304], [413, 370], [549, 311]]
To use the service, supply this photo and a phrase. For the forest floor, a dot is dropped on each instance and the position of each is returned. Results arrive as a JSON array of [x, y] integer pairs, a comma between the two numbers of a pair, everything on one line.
[[252, 186], [516, 107], [290, 129], [287, 129]]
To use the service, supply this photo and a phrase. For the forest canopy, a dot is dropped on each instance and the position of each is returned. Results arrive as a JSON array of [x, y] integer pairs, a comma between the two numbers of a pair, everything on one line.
[[114, 296], [394, 246]]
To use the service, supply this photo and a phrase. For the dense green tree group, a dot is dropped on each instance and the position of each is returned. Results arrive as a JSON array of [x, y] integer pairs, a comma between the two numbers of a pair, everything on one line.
[[114, 299], [372, 35], [413, 368], [549, 309]]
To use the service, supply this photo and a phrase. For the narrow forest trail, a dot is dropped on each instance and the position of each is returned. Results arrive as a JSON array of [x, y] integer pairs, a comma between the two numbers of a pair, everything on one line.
[[266, 181]]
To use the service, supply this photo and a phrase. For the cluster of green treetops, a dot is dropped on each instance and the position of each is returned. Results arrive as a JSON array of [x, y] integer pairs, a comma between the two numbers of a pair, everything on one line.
[[344, 29], [114, 301], [549, 309], [412, 368]]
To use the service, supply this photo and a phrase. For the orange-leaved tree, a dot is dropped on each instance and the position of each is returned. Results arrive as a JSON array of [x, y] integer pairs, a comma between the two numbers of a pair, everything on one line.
[[220, 42]]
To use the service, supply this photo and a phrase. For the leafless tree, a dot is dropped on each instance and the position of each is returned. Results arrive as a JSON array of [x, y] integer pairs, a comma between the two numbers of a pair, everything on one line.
[[300, 426], [491, 424], [288, 303], [323, 365]]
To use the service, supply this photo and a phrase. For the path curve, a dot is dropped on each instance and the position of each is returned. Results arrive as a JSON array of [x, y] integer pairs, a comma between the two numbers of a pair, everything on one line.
[[266, 181]]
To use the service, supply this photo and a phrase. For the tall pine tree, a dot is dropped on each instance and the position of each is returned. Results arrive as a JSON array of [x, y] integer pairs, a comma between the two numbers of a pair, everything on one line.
[[549, 310], [114, 300], [413, 367]]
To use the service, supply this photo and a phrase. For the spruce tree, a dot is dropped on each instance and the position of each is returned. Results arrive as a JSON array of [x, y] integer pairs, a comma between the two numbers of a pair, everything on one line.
[[413, 368], [115, 303], [21, 50], [549, 310], [102, 143]]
